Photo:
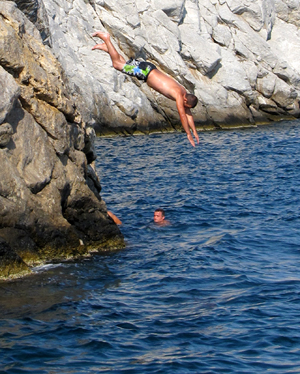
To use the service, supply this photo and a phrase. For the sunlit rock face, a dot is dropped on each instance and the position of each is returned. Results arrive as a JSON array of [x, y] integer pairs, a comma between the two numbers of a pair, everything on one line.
[[240, 57], [50, 204]]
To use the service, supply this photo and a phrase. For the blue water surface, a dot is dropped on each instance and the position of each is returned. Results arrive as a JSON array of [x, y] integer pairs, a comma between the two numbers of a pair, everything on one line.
[[218, 291]]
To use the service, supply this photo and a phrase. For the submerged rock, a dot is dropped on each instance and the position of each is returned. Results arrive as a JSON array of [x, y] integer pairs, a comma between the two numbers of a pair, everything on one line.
[[50, 206]]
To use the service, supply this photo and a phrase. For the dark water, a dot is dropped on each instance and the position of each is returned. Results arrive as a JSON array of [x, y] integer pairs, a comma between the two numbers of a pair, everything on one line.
[[218, 291]]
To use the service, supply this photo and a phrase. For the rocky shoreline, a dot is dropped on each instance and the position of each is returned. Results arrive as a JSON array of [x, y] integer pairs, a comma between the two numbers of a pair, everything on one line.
[[50, 203], [239, 58]]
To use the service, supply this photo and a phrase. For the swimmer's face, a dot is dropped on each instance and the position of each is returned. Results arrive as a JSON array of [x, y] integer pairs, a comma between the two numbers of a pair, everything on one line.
[[158, 217]]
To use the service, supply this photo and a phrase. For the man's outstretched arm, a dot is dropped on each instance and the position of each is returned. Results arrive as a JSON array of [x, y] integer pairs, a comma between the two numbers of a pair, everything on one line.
[[187, 121], [191, 123]]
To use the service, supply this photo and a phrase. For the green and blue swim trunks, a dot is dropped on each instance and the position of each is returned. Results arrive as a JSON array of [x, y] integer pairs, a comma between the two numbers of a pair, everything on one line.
[[138, 69]]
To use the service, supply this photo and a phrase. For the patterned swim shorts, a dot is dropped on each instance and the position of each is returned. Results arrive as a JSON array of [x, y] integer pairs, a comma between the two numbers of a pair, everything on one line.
[[138, 69]]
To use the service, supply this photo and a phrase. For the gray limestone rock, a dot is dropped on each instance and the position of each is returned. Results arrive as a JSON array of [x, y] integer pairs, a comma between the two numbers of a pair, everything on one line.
[[199, 43], [6, 132], [10, 92]]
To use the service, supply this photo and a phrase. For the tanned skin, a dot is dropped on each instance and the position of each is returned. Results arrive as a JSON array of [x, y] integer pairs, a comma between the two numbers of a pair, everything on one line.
[[160, 82], [159, 218], [115, 218]]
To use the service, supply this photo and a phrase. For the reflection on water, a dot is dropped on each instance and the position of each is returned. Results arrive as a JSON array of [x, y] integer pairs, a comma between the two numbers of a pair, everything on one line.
[[52, 288]]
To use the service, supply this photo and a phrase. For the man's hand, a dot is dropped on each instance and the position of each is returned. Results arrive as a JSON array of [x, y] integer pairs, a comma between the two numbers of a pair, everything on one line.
[[191, 140], [196, 135], [191, 126]]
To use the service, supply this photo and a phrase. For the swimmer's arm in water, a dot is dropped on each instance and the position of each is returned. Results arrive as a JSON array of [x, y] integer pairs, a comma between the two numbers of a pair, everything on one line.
[[114, 218]]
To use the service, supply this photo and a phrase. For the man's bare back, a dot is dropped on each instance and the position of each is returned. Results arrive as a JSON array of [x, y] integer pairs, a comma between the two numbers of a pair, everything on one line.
[[161, 83], [165, 85]]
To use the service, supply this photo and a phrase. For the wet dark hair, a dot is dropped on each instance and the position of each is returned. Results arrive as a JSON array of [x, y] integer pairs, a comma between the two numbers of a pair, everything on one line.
[[160, 210], [191, 100]]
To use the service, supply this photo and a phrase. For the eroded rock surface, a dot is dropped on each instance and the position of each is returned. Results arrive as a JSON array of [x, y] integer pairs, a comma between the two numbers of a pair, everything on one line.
[[50, 203]]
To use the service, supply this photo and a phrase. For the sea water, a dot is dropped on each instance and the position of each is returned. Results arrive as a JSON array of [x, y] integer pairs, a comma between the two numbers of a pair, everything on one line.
[[217, 291]]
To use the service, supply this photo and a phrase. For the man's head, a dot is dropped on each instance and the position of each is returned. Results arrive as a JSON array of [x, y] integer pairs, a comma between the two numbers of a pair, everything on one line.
[[159, 215], [191, 100]]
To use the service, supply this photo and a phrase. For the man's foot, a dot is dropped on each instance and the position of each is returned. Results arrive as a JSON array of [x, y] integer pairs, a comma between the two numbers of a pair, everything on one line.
[[101, 46], [102, 35]]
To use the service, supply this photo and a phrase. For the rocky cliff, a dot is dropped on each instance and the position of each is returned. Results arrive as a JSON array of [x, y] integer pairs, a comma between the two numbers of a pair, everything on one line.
[[239, 57], [50, 206]]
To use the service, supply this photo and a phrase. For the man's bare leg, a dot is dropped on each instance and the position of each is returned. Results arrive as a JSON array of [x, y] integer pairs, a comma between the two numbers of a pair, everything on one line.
[[117, 60]]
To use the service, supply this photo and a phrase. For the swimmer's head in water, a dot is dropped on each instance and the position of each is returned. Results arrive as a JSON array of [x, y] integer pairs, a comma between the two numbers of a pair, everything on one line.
[[159, 215]]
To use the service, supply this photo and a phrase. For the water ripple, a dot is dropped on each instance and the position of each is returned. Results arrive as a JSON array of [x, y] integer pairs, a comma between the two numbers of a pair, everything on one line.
[[218, 291]]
